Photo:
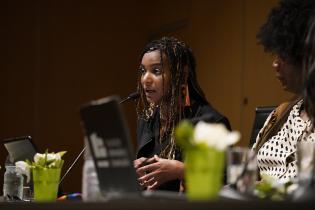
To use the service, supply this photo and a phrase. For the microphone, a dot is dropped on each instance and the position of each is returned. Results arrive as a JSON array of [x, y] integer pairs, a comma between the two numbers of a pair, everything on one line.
[[131, 96]]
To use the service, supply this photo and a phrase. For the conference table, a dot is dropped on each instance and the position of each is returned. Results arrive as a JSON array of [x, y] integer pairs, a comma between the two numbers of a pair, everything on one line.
[[157, 204]]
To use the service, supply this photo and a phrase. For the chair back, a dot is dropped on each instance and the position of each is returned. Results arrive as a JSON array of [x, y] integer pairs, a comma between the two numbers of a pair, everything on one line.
[[261, 114]]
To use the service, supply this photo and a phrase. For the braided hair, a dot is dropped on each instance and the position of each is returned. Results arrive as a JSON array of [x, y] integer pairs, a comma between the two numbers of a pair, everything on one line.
[[180, 59]]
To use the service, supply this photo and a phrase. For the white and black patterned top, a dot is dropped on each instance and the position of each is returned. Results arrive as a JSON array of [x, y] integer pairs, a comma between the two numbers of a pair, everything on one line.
[[277, 156]]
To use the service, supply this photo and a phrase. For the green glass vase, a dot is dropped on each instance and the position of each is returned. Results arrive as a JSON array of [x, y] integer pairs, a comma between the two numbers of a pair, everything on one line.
[[46, 182], [203, 173]]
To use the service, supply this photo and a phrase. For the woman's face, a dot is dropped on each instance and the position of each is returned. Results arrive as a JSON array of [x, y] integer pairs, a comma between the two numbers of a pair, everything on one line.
[[152, 74], [288, 75]]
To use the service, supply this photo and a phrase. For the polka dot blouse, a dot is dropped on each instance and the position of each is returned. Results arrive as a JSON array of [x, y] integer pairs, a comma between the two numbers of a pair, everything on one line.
[[277, 156]]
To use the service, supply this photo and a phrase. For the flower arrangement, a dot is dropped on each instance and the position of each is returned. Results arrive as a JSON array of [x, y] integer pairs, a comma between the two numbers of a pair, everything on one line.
[[271, 188], [204, 135], [46, 170], [204, 151], [46, 160]]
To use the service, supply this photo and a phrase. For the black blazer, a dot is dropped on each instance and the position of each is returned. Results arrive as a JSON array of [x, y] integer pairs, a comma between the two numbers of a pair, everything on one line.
[[148, 133]]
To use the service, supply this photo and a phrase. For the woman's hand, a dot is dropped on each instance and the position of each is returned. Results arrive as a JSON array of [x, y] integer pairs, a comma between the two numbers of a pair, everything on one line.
[[141, 162], [158, 171], [138, 163]]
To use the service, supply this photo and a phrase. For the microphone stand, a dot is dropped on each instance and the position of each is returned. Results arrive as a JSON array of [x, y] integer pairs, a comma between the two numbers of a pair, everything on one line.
[[131, 96], [74, 162]]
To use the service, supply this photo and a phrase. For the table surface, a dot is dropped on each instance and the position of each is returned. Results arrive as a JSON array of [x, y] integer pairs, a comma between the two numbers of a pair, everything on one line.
[[156, 204], [146, 204]]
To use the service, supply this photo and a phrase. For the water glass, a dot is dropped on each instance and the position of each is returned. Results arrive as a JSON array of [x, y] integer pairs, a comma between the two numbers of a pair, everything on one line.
[[241, 169], [235, 161], [12, 184], [27, 194], [305, 160]]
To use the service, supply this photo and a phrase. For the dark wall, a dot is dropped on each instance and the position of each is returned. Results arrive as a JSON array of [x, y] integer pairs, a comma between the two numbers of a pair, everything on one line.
[[56, 55]]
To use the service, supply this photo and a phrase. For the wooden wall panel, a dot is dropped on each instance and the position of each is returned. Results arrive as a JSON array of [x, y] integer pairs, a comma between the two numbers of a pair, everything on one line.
[[62, 54], [259, 84], [216, 38]]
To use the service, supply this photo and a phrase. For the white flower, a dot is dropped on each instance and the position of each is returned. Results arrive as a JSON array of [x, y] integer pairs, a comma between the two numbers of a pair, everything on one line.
[[274, 182], [50, 157], [215, 135], [23, 168]]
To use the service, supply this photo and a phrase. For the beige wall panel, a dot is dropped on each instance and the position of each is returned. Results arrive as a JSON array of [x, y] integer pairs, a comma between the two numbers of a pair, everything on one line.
[[216, 38]]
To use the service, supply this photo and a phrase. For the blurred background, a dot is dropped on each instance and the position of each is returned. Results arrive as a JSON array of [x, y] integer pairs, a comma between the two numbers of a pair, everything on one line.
[[57, 55]]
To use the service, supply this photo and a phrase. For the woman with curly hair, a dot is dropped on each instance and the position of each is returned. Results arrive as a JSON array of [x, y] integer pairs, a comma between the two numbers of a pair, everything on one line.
[[169, 92], [283, 35], [309, 71]]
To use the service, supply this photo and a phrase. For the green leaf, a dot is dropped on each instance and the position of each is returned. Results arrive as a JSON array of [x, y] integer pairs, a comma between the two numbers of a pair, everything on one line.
[[28, 162], [44, 162], [184, 133], [41, 161], [62, 153], [270, 188]]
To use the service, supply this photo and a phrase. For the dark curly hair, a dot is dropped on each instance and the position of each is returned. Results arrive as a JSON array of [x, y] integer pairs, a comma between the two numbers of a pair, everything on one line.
[[309, 71], [285, 30]]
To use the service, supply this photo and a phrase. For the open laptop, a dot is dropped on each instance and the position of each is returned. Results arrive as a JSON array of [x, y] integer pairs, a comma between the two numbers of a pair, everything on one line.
[[109, 142], [20, 148]]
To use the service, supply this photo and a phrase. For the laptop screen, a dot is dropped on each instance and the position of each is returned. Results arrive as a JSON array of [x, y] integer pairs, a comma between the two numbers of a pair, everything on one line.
[[20, 148], [110, 146]]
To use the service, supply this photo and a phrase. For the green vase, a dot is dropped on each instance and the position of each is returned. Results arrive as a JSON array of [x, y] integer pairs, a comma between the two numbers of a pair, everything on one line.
[[46, 182], [203, 173]]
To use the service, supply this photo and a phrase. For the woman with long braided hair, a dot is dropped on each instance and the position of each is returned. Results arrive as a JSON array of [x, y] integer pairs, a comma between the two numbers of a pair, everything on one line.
[[169, 92]]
